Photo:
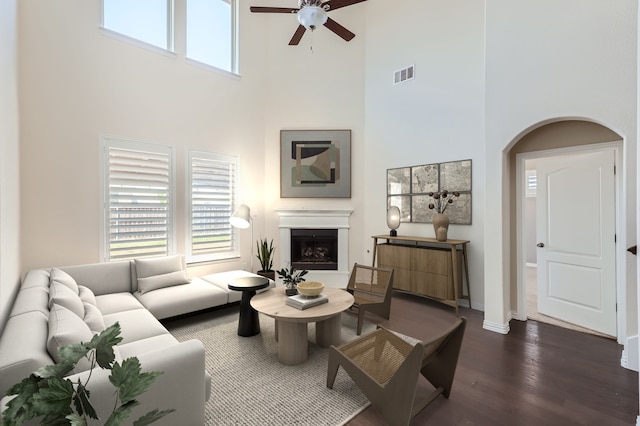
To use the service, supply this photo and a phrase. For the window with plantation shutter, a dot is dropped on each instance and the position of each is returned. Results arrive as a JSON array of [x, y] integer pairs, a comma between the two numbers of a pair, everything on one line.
[[212, 182], [138, 200]]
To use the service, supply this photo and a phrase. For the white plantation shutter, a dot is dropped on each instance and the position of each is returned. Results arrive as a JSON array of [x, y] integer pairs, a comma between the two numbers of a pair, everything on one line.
[[139, 204], [211, 203]]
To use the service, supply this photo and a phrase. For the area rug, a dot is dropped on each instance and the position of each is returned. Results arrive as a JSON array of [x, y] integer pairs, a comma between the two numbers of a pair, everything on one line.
[[250, 386]]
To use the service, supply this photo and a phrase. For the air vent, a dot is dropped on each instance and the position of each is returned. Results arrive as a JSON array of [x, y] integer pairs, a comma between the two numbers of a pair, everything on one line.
[[403, 75]]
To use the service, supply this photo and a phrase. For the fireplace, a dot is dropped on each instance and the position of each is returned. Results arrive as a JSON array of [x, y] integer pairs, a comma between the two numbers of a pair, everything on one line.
[[314, 249], [318, 220]]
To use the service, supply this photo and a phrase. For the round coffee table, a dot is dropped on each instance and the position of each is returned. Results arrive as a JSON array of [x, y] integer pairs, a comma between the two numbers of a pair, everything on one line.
[[249, 322], [291, 323]]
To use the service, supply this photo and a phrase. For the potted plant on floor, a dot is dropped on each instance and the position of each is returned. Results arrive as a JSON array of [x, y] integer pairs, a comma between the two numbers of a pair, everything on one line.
[[47, 395], [265, 256], [291, 278]]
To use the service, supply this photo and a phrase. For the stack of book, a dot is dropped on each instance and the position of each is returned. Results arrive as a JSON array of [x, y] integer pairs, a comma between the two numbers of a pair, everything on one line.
[[303, 302]]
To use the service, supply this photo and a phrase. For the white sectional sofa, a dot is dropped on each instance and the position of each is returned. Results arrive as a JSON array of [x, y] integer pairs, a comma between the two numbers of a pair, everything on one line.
[[58, 306]]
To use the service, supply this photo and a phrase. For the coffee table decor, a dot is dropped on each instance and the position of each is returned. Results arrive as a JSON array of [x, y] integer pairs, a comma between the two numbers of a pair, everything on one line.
[[300, 301], [291, 278], [310, 288]]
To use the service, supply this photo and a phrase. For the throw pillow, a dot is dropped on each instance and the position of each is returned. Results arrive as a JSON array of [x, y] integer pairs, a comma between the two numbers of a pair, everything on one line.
[[87, 295], [66, 328], [93, 318], [158, 265], [62, 277], [62, 295], [156, 282]]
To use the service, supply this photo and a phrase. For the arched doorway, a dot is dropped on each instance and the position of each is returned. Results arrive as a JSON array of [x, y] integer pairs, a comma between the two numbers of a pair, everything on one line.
[[546, 140]]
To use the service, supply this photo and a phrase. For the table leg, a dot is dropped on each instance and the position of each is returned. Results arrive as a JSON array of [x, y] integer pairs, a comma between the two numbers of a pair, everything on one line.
[[249, 323], [328, 331], [292, 342]]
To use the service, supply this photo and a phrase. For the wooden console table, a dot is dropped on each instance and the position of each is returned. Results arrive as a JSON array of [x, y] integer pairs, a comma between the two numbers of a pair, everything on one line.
[[425, 266]]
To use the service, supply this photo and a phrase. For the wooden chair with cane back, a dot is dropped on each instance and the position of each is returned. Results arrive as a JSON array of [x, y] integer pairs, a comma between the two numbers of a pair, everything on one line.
[[386, 368], [371, 289]]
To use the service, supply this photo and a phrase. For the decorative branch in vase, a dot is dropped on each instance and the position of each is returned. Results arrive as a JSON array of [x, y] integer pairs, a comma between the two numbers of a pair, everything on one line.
[[440, 202], [291, 278]]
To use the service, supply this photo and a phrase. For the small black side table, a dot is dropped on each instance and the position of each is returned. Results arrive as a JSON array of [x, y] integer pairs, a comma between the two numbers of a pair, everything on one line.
[[249, 323]]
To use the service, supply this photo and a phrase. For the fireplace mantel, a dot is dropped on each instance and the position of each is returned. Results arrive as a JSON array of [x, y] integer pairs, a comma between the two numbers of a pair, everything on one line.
[[317, 219]]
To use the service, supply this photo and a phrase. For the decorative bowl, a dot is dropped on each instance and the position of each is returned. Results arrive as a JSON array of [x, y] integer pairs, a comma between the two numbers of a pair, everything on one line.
[[310, 288]]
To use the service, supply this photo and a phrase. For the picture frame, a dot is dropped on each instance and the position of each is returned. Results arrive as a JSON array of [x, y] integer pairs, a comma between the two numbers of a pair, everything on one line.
[[315, 163], [408, 188]]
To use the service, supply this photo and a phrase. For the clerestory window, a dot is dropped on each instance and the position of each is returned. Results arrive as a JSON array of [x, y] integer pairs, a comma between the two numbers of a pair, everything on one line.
[[208, 26]]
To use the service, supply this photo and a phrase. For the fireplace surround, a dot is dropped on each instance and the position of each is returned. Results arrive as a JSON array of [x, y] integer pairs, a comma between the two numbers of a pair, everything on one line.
[[301, 221]]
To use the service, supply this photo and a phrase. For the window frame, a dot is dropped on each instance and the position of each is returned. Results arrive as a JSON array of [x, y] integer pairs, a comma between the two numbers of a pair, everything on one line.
[[234, 42], [108, 142], [170, 26], [234, 251], [174, 49]]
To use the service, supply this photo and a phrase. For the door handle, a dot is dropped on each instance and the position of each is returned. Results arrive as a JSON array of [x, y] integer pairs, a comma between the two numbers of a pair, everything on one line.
[[540, 245]]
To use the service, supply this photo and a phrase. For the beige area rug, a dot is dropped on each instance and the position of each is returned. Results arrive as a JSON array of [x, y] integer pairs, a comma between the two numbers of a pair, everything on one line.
[[250, 386]]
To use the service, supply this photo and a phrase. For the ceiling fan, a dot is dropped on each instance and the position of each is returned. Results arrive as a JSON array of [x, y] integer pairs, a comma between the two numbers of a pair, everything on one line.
[[311, 14]]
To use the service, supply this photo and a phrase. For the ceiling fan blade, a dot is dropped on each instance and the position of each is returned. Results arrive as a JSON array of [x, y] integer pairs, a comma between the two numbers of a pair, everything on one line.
[[339, 29], [260, 9], [337, 4], [297, 36]]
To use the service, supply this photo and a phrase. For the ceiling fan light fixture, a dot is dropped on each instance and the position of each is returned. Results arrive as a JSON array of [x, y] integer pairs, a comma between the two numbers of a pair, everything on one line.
[[312, 17]]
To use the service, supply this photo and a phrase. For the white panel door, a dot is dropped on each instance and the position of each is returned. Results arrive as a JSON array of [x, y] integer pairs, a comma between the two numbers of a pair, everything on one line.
[[576, 239]]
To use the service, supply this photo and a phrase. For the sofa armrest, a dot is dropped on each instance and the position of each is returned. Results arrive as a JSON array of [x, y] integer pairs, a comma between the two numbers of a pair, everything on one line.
[[182, 387]]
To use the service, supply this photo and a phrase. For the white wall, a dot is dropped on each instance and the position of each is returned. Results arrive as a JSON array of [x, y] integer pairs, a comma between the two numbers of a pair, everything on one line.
[[9, 173], [437, 117], [321, 89], [546, 60], [77, 83]]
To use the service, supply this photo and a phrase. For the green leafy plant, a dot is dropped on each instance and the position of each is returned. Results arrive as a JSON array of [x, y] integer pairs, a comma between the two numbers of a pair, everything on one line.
[[46, 394], [265, 254], [291, 277]]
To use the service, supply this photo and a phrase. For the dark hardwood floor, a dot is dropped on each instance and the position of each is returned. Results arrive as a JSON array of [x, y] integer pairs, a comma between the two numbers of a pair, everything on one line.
[[538, 374]]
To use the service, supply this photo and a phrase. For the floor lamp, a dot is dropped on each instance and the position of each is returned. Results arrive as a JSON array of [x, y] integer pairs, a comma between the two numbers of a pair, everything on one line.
[[241, 218]]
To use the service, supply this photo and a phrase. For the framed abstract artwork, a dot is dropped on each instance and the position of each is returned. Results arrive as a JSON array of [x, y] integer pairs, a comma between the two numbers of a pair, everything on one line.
[[315, 163]]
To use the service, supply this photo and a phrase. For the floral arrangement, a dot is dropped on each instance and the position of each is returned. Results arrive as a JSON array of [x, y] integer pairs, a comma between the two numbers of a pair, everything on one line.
[[442, 199]]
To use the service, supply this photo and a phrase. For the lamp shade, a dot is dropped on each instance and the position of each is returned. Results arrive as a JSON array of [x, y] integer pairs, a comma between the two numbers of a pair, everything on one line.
[[312, 17], [393, 219], [241, 218]]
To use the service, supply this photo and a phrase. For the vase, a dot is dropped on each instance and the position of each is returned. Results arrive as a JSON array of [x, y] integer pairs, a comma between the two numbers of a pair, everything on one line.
[[291, 290], [441, 226]]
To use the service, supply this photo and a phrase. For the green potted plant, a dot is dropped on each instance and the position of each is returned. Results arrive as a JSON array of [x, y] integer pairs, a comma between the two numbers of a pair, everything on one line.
[[291, 277], [265, 256], [48, 396]]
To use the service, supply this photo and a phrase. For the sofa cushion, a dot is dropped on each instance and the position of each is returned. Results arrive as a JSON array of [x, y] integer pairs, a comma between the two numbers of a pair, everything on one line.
[[160, 272], [93, 318], [62, 295], [158, 265], [117, 302], [156, 282], [66, 328], [62, 277], [87, 295], [135, 325], [178, 300]]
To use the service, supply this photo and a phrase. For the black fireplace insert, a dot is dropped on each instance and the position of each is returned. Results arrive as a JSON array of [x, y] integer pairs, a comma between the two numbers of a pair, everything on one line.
[[314, 249]]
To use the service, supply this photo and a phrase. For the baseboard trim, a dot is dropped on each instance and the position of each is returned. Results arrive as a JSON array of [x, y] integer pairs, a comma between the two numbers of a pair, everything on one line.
[[496, 327], [629, 358]]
